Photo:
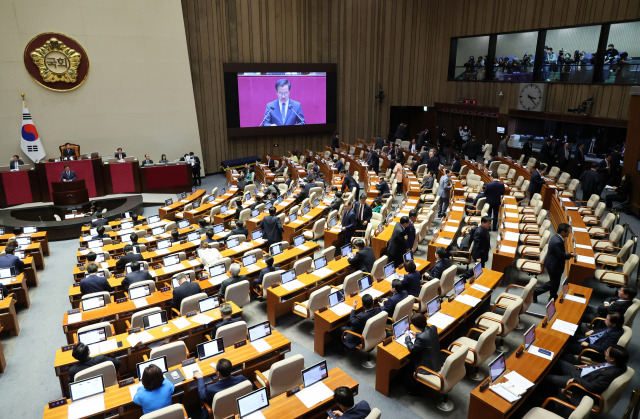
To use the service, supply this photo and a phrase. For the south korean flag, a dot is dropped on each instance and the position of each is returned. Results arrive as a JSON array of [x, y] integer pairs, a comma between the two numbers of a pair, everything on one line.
[[30, 142]]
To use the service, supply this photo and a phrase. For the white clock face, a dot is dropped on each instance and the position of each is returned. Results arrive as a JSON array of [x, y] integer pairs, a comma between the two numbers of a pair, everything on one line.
[[530, 97]]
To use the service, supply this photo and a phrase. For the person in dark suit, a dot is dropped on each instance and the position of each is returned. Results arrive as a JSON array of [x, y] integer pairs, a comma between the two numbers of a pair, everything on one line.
[[363, 212], [618, 304], [493, 192], [597, 339], [283, 111], [350, 182], [99, 220], [471, 149], [564, 157], [374, 160], [234, 270], [621, 193], [442, 264], [67, 151], [578, 162], [68, 175], [335, 141], [357, 321], [348, 223], [397, 244], [147, 160], [411, 281], [527, 150], [337, 202], [240, 229], [604, 172], [364, 258], [226, 311], [136, 275], [411, 229], [589, 182], [456, 166], [401, 131], [185, 289], [383, 188], [268, 260], [554, 263], [398, 293], [100, 234], [15, 162], [225, 381], [433, 162], [424, 350], [343, 397], [271, 227], [81, 354], [545, 155], [195, 168], [92, 282], [379, 142], [338, 165], [119, 154], [9, 259], [481, 241], [271, 164], [128, 256], [536, 182]]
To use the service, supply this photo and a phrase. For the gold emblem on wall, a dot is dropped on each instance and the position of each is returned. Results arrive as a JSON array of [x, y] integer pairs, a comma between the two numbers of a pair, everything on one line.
[[56, 61]]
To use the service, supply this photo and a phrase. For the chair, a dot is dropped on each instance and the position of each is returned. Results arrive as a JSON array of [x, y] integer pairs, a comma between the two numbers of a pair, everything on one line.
[[74, 147], [224, 403], [136, 318], [591, 356], [451, 373], [589, 206], [494, 165], [373, 333], [570, 192], [553, 173], [604, 228], [378, 267], [562, 180], [611, 260], [267, 280], [329, 253], [282, 375], [507, 321], [374, 414], [461, 256], [533, 250], [238, 293], [104, 294], [480, 350], [232, 333], [618, 278], [532, 162], [533, 236], [302, 266], [170, 226], [175, 411], [283, 244], [581, 411], [106, 369], [508, 297], [241, 237], [447, 279], [318, 298], [611, 242], [176, 352], [428, 291], [631, 312], [317, 232], [402, 309], [189, 304], [608, 399], [150, 283], [522, 192], [350, 284]]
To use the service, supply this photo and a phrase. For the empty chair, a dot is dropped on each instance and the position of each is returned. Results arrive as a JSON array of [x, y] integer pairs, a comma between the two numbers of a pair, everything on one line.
[[373, 333], [374, 414], [238, 293], [176, 352], [282, 375], [350, 284], [613, 260], [570, 192], [105, 295], [301, 266], [428, 292], [508, 297], [106, 369], [618, 278], [507, 321], [318, 298], [594, 218], [136, 318], [631, 312], [317, 231], [378, 267], [329, 253], [447, 279], [533, 250], [563, 179], [480, 350], [150, 283], [451, 373], [604, 228], [590, 205], [611, 242], [224, 403], [232, 333], [553, 173], [170, 226], [533, 267], [581, 411]]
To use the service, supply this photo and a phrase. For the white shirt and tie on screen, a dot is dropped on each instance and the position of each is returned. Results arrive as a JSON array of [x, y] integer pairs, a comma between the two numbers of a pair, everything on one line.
[[283, 111]]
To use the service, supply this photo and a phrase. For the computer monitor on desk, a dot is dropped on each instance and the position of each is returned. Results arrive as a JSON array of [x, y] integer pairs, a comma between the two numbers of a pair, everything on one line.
[[253, 402], [529, 337], [259, 331], [209, 349], [160, 362], [497, 367], [86, 388], [314, 374], [139, 292], [400, 327], [551, 310], [433, 306], [477, 271], [336, 298]]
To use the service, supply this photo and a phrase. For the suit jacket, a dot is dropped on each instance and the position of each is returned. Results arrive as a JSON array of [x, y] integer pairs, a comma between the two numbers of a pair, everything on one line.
[[94, 283], [359, 411], [471, 149], [610, 337], [374, 161], [502, 148], [350, 182], [589, 182], [383, 188], [68, 152], [456, 166], [563, 161], [545, 154], [411, 235], [7, 261], [363, 260], [556, 256], [536, 182], [335, 142], [527, 150], [91, 362], [481, 244], [411, 283], [232, 280], [366, 216], [339, 166], [425, 350], [187, 289], [432, 164], [349, 224], [578, 159], [120, 155], [242, 230], [493, 192], [68, 176], [396, 246], [146, 162], [335, 205], [271, 229], [615, 305], [14, 164], [356, 325], [129, 257], [599, 380], [392, 301], [445, 187], [273, 114], [379, 143], [439, 267], [206, 393], [135, 276]]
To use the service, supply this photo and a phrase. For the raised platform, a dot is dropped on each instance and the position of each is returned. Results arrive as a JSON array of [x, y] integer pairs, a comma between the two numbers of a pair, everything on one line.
[[43, 216]]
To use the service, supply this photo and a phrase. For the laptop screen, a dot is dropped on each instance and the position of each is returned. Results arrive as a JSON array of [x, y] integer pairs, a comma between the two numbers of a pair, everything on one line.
[[314, 373], [183, 223], [139, 292], [193, 236], [207, 304], [93, 336], [1, 231], [458, 287], [400, 327], [218, 228], [433, 306], [7, 272], [320, 263], [529, 336], [255, 213], [565, 287], [408, 256], [212, 198], [29, 230], [247, 196], [364, 283], [160, 362], [154, 219], [156, 231], [389, 270], [100, 257], [288, 276], [223, 209], [231, 243], [170, 260], [163, 244], [92, 303], [210, 348], [477, 270], [259, 331], [336, 298], [292, 217], [219, 269], [280, 199], [126, 215], [86, 388], [223, 191], [497, 367], [316, 202], [20, 254], [174, 281], [298, 240], [168, 202], [183, 195], [126, 225], [249, 260], [253, 402], [305, 209], [266, 207], [276, 249], [93, 244], [256, 234], [551, 309], [345, 250], [154, 320], [332, 222]]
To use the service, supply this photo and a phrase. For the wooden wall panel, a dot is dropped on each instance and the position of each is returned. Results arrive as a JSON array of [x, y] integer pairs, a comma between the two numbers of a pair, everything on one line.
[[401, 46]]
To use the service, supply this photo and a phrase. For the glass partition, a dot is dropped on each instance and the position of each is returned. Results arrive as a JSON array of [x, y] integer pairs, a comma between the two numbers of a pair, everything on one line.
[[515, 54], [622, 57], [471, 57], [570, 54]]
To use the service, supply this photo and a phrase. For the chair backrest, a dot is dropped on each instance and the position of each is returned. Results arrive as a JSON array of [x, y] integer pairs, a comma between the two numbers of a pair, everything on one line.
[[170, 226], [541, 217], [625, 251], [176, 352], [481, 202], [238, 293], [258, 252], [318, 298], [545, 238], [175, 411], [106, 369], [447, 279], [486, 345], [285, 374], [350, 283], [583, 409], [105, 325], [214, 191], [136, 318], [191, 303], [453, 369], [374, 331], [613, 393], [519, 181], [631, 312], [511, 174], [511, 317], [301, 266], [531, 162], [494, 165], [241, 237], [608, 221], [630, 265], [329, 253], [554, 172], [378, 267], [564, 178], [521, 159], [149, 282], [403, 308], [245, 214], [428, 292], [188, 207], [525, 186], [527, 293], [318, 228], [232, 333], [224, 403], [626, 336], [270, 279], [616, 234], [374, 414], [503, 169]]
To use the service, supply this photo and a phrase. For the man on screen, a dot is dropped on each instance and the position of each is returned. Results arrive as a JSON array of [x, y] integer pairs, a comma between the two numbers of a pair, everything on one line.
[[283, 111], [68, 175]]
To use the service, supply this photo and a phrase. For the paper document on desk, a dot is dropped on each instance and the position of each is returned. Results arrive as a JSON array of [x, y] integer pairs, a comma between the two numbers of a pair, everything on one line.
[[518, 380], [253, 267], [468, 300], [341, 309], [321, 273], [162, 252], [108, 345], [201, 319], [173, 268], [501, 391], [580, 300], [564, 327], [140, 302], [507, 249], [181, 323], [511, 206], [580, 230], [303, 247], [443, 241], [511, 225], [194, 262], [582, 246], [571, 208], [144, 336], [315, 394], [457, 208], [450, 229], [133, 389], [261, 345], [480, 288], [255, 415], [89, 406], [374, 293], [190, 369], [534, 350], [217, 280], [511, 236], [586, 259], [74, 318], [440, 320], [292, 285]]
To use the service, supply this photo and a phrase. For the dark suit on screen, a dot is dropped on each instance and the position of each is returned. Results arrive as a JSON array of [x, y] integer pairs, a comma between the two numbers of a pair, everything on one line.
[[273, 114]]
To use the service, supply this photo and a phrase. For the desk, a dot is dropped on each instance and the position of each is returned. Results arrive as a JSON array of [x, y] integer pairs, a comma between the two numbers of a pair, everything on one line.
[[394, 356], [204, 210], [21, 187], [166, 178], [303, 222], [169, 212], [88, 169], [8, 316], [18, 285], [505, 252]]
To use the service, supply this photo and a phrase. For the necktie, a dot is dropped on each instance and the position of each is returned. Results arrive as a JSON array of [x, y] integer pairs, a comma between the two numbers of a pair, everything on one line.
[[282, 113], [595, 336], [361, 211]]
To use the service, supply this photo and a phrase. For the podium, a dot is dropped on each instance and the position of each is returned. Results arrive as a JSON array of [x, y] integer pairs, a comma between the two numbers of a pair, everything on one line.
[[70, 193]]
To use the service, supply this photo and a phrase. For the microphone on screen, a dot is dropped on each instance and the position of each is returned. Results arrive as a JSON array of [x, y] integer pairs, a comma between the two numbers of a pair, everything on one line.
[[266, 115], [291, 109]]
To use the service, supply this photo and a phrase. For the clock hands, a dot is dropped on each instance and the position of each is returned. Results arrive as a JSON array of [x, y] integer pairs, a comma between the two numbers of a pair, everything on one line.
[[532, 99]]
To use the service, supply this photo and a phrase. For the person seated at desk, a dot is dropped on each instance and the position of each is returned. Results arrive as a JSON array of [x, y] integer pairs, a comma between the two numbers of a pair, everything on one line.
[[234, 270], [163, 159], [270, 188], [208, 254], [597, 339], [398, 294], [269, 261], [428, 183], [92, 282], [175, 236], [133, 237], [81, 354], [226, 310], [67, 151], [424, 350], [343, 397], [68, 175], [128, 256], [337, 202], [364, 258], [338, 165], [185, 289], [442, 264], [202, 226], [456, 165], [209, 236], [147, 160], [136, 275], [411, 281], [119, 154], [240, 229], [225, 381], [618, 304], [15, 162], [4, 291], [9, 259], [383, 188], [100, 234], [356, 324], [348, 223], [621, 193], [136, 221], [494, 157], [91, 257], [377, 205], [155, 392], [239, 209], [99, 220]]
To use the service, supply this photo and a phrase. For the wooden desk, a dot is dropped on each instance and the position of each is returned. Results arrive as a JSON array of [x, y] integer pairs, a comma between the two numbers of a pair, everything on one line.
[[394, 356], [304, 222], [203, 210], [18, 286], [34, 250], [8, 316], [169, 212], [40, 237], [505, 253]]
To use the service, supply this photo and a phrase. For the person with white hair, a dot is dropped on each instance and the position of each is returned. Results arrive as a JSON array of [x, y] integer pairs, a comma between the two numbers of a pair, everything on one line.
[[234, 270]]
